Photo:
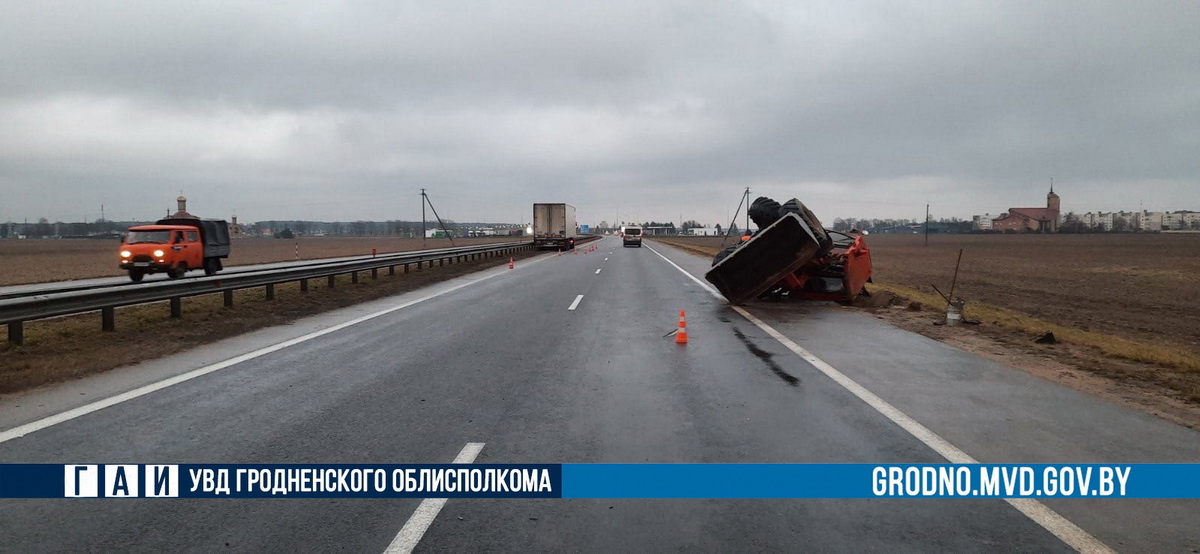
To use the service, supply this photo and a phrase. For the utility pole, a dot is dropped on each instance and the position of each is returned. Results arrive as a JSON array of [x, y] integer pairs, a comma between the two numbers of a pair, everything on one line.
[[425, 200], [926, 224], [747, 200]]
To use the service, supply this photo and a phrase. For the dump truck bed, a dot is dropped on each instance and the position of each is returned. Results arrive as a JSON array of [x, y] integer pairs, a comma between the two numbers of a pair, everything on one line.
[[765, 259]]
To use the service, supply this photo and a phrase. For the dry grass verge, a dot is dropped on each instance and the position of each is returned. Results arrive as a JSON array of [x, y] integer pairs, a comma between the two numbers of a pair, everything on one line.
[[71, 347]]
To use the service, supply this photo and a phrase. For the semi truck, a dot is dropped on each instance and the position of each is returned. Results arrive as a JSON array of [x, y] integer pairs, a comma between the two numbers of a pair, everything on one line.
[[554, 226], [174, 246]]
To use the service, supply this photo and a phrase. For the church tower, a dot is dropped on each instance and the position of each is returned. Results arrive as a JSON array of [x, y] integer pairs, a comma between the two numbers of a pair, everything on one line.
[[1052, 199], [1052, 206]]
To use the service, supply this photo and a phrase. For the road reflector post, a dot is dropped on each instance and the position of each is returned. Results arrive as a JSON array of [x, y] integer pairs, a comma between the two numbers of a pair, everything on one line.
[[108, 319], [681, 335], [16, 332]]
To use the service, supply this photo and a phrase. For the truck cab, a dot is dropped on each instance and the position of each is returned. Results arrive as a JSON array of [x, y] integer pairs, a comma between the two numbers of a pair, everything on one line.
[[173, 248]]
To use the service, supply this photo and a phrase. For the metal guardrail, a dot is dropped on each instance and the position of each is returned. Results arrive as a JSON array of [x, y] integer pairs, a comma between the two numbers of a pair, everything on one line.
[[16, 311], [68, 286]]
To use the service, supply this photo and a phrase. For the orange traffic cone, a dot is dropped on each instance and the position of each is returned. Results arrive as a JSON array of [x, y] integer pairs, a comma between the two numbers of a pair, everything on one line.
[[560, 251], [510, 262], [575, 250], [681, 334]]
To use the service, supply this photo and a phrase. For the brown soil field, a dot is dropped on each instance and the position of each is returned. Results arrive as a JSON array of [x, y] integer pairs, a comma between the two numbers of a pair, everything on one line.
[[39, 261], [1144, 287], [1124, 308]]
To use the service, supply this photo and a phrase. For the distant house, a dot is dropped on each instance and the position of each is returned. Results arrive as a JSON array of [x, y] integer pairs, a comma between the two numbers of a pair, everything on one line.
[[705, 231], [1038, 220]]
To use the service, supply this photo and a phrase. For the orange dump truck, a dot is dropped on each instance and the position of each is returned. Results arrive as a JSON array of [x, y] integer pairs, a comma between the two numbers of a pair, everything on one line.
[[174, 246]]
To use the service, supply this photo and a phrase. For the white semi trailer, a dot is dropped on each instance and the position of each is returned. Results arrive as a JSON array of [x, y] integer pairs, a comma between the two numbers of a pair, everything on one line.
[[554, 226]]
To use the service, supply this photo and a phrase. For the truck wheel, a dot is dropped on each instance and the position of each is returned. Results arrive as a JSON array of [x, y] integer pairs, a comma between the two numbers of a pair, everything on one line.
[[177, 272], [136, 276], [725, 253], [797, 207], [210, 266]]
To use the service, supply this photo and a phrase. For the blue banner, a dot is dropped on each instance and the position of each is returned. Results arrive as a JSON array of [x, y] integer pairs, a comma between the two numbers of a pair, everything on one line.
[[881, 480], [600, 481]]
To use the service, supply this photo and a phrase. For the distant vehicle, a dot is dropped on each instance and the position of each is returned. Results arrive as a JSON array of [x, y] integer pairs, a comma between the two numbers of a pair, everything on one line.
[[631, 235], [554, 226], [175, 246]]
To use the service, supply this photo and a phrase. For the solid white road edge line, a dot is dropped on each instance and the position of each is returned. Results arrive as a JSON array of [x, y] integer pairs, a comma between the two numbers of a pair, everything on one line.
[[575, 304], [22, 430], [408, 537], [1071, 534]]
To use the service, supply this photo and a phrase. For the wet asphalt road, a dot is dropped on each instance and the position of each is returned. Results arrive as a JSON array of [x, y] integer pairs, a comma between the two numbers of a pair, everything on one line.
[[504, 362]]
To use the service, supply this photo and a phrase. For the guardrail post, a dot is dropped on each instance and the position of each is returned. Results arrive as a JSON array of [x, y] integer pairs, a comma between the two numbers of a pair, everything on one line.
[[391, 270], [228, 298], [441, 262], [374, 272], [332, 281], [353, 276], [406, 269], [177, 307], [16, 332], [108, 319], [270, 291], [304, 285]]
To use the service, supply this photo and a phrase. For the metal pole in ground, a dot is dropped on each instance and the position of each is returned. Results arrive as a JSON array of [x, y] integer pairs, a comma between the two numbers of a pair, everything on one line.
[[926, 224]]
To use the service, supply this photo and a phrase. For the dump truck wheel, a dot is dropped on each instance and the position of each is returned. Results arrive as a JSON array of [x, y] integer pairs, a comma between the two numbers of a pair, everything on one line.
[[210, 266], [724, 253], [797, 207], [764, 211]]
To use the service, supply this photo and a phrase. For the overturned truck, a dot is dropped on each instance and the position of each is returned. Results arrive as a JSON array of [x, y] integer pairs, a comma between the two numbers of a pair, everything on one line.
[[791, 256]]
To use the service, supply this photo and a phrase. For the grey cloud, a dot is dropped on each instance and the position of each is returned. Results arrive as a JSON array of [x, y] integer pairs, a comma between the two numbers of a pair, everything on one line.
[[329, 110]]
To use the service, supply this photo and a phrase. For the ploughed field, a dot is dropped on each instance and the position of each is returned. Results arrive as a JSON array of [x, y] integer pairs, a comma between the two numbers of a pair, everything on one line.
[[37, 261], [1142, 287]]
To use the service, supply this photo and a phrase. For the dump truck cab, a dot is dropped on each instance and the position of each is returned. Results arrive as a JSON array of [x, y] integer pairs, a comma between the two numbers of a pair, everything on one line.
[[174, 247]]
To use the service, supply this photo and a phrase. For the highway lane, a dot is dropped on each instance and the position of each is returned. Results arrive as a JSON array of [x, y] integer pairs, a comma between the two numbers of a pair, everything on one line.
[[506, 363]]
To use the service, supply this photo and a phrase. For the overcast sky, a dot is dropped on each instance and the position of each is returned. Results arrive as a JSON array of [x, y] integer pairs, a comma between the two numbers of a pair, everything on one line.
[[330, 110]]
